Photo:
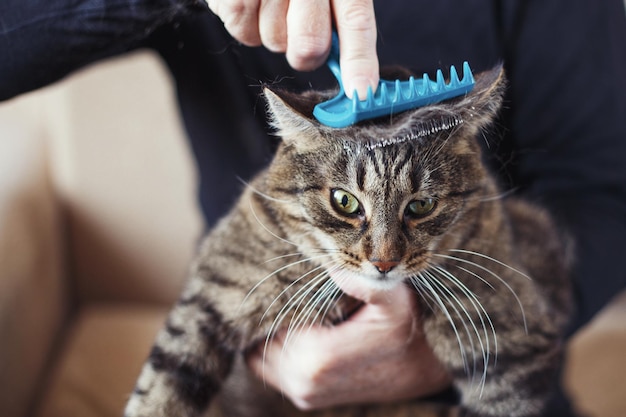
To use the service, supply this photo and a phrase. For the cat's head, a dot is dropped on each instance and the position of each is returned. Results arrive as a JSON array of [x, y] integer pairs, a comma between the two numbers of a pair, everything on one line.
[[378, 199]]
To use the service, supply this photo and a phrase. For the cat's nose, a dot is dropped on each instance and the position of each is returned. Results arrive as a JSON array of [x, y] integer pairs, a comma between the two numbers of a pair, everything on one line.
[[384, 266]]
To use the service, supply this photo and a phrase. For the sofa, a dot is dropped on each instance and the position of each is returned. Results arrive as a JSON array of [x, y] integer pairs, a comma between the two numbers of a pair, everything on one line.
[[98, 221]]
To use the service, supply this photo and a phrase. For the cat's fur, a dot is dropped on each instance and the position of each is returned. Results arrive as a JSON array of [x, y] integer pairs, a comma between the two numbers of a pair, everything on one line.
[[482, 266]]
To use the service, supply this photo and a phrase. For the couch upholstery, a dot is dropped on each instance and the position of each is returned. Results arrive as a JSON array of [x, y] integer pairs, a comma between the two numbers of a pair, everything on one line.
[[98, 220]]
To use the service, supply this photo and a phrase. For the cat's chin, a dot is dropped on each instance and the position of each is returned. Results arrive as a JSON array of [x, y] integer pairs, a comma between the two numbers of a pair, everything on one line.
[[383, 282], [371, 281]]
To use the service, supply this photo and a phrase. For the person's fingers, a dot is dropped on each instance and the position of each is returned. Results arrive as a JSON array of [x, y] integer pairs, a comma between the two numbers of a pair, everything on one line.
[[308, 33], [356, 27], [240, 18], [302, 29], [290, 368], [273, 24], [261, 361], [310, 368]]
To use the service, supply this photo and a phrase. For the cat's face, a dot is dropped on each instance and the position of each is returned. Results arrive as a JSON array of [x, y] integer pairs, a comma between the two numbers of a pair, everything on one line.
[[377, 200]]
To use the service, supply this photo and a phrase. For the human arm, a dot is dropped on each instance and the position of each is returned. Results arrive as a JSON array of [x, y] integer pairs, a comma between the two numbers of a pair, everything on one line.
[[42, 41]]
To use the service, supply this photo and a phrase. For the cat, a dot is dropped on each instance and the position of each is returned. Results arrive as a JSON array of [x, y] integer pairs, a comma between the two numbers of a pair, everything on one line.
[[401, 200]]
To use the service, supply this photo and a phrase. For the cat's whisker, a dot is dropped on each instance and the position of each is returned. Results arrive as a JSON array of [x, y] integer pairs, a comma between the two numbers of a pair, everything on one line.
[[429, 295], [301, 312], [483, 134], [321, 303], [323, 251], [497, 197], [333, 297], [297, 298], [292, 303], [262, 194], [258, 220], [335, 292], [475, 275], [482, 315], [312, 311], [289, 305], [482, 255], [281, 257], [425, 296], [311, 301], [493, 274], [284, 311], [462, 314], [473, 298], [299, 319], [424, 281], [294, 282], [320, 251], [281, 269]]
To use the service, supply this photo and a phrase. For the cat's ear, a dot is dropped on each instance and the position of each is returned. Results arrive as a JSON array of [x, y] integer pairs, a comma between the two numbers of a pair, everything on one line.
[[292, 117], [479, 108], [469, 114]]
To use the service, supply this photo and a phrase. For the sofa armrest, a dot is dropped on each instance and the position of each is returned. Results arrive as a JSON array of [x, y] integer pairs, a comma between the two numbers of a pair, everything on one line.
[[596, 363], [33, 296]]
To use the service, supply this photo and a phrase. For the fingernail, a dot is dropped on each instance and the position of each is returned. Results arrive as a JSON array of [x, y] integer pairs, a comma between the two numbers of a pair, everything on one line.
[[360, 85]]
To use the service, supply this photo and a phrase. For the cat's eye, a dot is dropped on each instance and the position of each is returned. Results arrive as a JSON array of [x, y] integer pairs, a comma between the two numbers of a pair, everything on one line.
[[421, 208], [345, 203]]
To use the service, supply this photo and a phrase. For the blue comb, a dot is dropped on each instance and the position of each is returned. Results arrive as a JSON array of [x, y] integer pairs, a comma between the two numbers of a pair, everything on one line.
[[391, 96]]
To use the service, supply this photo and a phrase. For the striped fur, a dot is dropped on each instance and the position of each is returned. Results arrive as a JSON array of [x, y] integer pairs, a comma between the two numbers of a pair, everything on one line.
[[489, 272]]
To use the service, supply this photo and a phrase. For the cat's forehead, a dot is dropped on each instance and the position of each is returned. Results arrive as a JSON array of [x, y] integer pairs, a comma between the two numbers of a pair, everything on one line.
[[369, 138]]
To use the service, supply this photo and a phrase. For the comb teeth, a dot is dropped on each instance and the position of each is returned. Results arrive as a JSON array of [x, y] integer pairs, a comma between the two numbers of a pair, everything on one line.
[[391, 96], [441, 83]]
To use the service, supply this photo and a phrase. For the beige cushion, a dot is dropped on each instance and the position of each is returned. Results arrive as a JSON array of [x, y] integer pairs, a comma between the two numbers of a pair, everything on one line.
[[596, 371], [101, 361], [32, 281], [97, 205], [122, 166]]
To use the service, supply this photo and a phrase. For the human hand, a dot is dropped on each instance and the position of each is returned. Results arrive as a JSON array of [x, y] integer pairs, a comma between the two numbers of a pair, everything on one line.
[[378, 355], [302, 30]]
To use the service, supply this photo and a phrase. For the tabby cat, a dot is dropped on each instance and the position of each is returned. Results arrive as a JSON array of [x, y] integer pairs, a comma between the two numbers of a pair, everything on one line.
[[402, 199]]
